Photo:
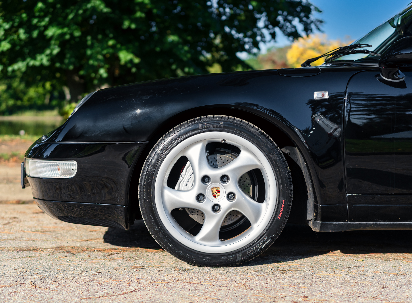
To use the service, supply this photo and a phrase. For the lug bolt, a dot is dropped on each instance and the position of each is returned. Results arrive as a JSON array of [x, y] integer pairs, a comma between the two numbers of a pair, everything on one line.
[[216, 208], [200, 198], [231, 196], [206, 179], [224, 179]]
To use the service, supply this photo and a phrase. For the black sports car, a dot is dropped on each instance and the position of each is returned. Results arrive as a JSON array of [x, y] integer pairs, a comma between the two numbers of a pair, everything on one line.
[[212, 163]]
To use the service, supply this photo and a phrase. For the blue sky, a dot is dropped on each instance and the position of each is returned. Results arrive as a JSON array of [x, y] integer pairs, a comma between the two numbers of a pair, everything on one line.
[[353, 18]]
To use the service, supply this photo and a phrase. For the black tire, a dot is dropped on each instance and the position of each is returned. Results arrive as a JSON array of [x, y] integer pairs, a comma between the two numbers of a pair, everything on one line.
[[253, 206]]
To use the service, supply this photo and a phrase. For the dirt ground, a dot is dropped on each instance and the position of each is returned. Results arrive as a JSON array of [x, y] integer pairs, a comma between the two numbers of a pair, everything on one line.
[[45, 260], [14, 145], [10, 188]]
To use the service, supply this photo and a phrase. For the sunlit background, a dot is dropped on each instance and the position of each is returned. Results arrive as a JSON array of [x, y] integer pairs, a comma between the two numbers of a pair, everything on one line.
[[353, 18], [30, 111]]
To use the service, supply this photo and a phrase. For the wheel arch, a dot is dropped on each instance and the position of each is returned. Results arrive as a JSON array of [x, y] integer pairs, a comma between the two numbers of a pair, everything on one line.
[[288, 141]]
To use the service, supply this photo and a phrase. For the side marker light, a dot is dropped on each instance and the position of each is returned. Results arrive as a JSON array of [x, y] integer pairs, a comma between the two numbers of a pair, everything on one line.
[[50, 169]]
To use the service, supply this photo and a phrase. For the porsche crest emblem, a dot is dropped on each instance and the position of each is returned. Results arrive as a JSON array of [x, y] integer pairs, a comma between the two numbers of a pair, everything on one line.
[[215, 192]]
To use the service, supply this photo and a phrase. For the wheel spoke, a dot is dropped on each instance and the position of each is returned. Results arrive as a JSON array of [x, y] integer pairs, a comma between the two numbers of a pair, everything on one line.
[[175, 199], [197, 158], [245, 162], [211, 227], [248, 207]]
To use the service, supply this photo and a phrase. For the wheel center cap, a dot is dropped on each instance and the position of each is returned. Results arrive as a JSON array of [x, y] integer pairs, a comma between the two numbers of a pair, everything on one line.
[[215, 192]]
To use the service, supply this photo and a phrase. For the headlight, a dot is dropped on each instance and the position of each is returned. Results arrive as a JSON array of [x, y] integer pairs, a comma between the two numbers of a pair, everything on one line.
[[50, 169], [81, 103]]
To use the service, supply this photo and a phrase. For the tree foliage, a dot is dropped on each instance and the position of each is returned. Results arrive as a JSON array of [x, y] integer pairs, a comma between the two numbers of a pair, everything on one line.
[[17, 95], [310, 47], [87, 44]]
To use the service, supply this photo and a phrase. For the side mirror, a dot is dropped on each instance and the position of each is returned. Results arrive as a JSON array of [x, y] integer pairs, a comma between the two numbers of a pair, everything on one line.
[[399, 54]]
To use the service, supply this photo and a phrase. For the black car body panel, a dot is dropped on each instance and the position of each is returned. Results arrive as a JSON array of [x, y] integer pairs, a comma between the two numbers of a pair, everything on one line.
[[98, 194], [103, 177], [127, 117], [378, 138], [107, 134], [97, 214]]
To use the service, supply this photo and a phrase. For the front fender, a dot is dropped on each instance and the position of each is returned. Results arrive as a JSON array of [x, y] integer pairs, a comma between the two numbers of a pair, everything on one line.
[[135, 112]]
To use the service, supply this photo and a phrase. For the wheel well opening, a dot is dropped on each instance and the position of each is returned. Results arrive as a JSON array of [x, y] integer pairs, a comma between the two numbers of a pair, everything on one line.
[[298, 213], [278, 136]]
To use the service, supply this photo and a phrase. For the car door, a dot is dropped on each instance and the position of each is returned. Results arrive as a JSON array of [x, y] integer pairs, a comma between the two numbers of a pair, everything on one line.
[[378, 147]]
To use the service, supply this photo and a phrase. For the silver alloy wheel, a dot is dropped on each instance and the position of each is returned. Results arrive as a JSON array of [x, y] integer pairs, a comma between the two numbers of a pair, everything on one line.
[[258, 214]]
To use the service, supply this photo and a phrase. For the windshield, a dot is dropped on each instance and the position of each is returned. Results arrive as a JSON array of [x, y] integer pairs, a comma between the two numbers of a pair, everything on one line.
[[380, 37], [375, 38]]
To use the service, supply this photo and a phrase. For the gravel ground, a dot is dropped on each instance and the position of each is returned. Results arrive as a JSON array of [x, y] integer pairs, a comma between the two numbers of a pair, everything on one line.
[[42, 259], [10, 188], [14, 145]]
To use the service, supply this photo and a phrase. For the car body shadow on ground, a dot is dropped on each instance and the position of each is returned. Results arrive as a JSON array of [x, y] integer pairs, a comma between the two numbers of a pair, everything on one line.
[[294, 243], [136, 236]]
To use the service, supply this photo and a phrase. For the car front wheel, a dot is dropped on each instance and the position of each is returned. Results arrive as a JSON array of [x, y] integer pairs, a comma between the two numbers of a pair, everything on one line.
[[215, 191]]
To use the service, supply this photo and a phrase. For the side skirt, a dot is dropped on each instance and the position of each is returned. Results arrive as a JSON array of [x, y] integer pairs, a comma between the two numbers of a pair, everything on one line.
[[87, 213], [348, 226]]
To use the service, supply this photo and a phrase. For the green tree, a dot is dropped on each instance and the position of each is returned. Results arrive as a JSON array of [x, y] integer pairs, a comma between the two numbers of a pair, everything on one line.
[[16, 95], [87, 44]]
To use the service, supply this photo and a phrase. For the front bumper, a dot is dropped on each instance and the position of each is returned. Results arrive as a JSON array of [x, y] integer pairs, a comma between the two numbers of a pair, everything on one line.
[[98, 194], [87, 213], [103, 173]]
